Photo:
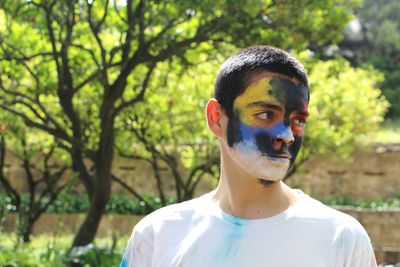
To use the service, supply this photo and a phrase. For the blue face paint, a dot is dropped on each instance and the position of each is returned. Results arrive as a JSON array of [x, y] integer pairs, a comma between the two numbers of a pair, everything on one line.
[[261, 137]]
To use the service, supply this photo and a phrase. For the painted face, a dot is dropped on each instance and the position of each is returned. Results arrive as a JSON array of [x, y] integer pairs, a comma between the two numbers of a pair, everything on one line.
[[266, 130]]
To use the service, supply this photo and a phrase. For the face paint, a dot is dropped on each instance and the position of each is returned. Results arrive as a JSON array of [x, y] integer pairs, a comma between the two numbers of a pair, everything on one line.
[[266, 130]]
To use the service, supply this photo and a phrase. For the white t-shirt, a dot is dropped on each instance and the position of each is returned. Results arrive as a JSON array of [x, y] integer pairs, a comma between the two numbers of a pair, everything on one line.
[[197, 233]]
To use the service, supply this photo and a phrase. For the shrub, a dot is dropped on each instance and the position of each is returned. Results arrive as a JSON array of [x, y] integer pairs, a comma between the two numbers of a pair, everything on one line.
[[53, 251], [91, 255], [78, 203], [372, 204]]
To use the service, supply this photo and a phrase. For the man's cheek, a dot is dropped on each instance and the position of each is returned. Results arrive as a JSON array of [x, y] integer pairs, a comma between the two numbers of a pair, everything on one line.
[[295, 147], [297, 131], [264, 143], [233, 130], [241, 132]]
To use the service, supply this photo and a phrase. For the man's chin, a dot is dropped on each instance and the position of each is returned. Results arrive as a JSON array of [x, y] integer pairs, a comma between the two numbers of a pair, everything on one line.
[[272, 174]]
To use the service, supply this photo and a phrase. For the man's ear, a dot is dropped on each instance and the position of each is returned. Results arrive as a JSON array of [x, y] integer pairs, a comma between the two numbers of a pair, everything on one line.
[[214, 115]]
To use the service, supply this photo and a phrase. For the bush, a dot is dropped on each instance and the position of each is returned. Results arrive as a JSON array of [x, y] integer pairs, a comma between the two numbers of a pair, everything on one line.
[[91, 255], [78, 203], [345, 104], [371, 204], [52, 251]]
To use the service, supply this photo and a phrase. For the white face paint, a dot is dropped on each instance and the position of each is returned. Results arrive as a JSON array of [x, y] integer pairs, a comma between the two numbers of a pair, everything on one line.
[[246, 155]]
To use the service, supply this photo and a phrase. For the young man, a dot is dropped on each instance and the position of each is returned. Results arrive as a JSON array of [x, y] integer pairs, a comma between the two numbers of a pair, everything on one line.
[[252, 218]]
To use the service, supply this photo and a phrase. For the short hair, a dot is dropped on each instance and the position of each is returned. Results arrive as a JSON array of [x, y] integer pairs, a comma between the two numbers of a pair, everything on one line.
[[236, 71]]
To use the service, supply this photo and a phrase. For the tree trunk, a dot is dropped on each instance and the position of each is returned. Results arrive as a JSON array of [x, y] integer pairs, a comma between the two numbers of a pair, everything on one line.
[[102, 185], [27, 231], [101, 195]]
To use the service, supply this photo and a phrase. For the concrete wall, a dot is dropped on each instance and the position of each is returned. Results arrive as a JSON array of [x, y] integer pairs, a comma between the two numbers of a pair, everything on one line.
[[383, 227]]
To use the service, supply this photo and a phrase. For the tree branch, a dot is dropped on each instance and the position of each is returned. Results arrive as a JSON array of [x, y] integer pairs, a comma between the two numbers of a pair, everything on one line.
[[10, 191], [133, 192], [103, 18], [129, 33], [205, 167], [140, 15], [90, 78], [91, 53], [37, 125], [95, 29], [48, 12], [131, 156], [139, 97], [28, 172]]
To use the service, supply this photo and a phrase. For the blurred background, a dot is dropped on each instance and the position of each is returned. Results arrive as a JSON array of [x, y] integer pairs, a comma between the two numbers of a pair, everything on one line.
[[102, 114]]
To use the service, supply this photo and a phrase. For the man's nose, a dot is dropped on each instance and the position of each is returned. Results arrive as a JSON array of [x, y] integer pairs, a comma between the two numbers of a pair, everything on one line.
[[284, 134]]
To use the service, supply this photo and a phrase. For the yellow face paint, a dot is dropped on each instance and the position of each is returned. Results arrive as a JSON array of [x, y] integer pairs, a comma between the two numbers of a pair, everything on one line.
[[256, 92]]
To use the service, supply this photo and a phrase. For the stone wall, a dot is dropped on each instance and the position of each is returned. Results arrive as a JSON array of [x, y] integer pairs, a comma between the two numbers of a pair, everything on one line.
[[381, 225], [136, 173], [370, 175]]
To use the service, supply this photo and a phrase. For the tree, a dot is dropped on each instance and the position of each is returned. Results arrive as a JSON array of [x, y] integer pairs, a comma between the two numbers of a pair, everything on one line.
[[82, 63], [345, 105], [44, 181], [374, 38], [173, 133]]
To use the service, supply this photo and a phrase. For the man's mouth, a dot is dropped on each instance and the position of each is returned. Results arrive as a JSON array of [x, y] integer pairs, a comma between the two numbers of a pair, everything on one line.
[[279, 156], [284, 156]]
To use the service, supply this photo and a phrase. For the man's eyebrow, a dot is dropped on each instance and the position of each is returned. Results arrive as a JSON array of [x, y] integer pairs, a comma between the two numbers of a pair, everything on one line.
[[302, 113], [265, 105]]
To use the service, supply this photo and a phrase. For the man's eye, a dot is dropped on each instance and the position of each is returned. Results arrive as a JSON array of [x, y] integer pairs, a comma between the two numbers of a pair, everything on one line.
[[299, 122], [264, 115]]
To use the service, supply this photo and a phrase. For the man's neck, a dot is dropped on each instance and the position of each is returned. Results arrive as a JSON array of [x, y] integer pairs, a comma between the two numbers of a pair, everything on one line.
[[250, 198]]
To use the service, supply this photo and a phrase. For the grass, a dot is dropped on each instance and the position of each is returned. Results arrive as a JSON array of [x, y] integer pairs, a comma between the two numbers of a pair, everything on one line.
[[389, 132], [51, 251]]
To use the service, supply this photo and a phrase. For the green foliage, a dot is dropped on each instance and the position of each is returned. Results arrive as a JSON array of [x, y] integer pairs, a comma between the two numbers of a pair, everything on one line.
[[345, 105], [389, 132], [121, 204], [283, 24], [70, 204], [91, 255], [52, 251], [369, 204], [389, 66], [18, 258], [174, 129], [378, 43], [79, 203], [293, 24]]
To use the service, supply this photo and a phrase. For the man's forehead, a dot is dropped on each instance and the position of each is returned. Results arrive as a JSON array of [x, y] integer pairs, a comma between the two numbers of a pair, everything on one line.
[[273, 88], [257, 75]]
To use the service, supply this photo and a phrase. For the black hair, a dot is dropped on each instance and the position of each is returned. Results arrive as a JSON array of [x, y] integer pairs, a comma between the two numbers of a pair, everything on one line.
[[235, 72]]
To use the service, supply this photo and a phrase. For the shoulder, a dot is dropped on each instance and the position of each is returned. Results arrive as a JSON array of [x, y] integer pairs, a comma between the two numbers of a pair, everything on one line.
[[164, 220], [343, 225], [348, 237]]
